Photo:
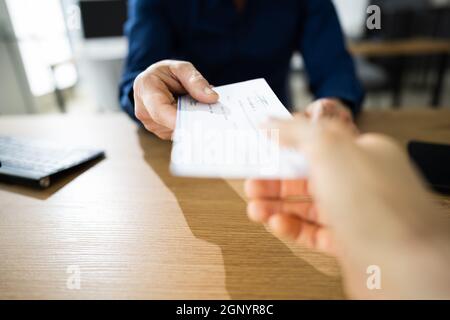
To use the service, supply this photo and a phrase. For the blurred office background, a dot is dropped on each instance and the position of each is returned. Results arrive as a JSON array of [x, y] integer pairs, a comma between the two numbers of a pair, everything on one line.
[[67, 55]]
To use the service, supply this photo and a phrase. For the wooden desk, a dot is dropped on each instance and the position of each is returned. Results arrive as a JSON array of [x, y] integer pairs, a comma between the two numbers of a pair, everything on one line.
[[407, 47], [400, 49], [134, 231]]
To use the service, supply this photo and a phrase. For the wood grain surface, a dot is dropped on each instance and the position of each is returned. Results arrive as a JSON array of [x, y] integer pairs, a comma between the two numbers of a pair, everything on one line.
[[135, 231]]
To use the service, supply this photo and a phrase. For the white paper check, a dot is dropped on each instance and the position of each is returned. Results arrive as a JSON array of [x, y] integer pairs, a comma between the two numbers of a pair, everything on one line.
[[224, 140]]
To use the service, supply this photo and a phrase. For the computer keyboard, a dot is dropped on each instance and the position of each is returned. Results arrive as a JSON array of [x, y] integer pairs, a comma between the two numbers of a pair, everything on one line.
[[36, 162]]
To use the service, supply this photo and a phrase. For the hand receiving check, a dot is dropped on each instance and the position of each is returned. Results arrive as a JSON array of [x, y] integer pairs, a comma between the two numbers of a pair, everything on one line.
[[287, 208], [369, 207]]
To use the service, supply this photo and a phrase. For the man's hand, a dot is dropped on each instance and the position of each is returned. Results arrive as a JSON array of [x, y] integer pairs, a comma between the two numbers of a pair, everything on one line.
[[156, 90], [330, 108]]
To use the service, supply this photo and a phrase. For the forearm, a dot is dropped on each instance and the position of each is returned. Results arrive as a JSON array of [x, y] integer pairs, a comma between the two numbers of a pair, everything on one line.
[[126, 94], [329, 66], [414, 270], [149, 41], [410, 244]]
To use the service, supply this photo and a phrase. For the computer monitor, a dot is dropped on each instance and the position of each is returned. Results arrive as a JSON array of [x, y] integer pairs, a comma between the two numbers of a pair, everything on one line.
[[103, 18]]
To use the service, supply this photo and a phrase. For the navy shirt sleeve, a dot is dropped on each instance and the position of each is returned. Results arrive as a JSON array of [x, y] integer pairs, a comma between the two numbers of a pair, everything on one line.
[[329, 66], [150, 40]]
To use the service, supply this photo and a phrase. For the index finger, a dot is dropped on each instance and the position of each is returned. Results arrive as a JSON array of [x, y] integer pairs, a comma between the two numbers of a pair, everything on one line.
[[263, 188], [194, 82], [277, 189]]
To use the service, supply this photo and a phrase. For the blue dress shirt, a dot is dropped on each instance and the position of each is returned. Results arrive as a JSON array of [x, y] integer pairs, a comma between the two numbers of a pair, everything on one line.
[[227, 46]]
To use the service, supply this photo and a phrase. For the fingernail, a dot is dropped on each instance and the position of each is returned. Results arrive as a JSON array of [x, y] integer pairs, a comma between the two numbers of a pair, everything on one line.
[[209, 91]]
